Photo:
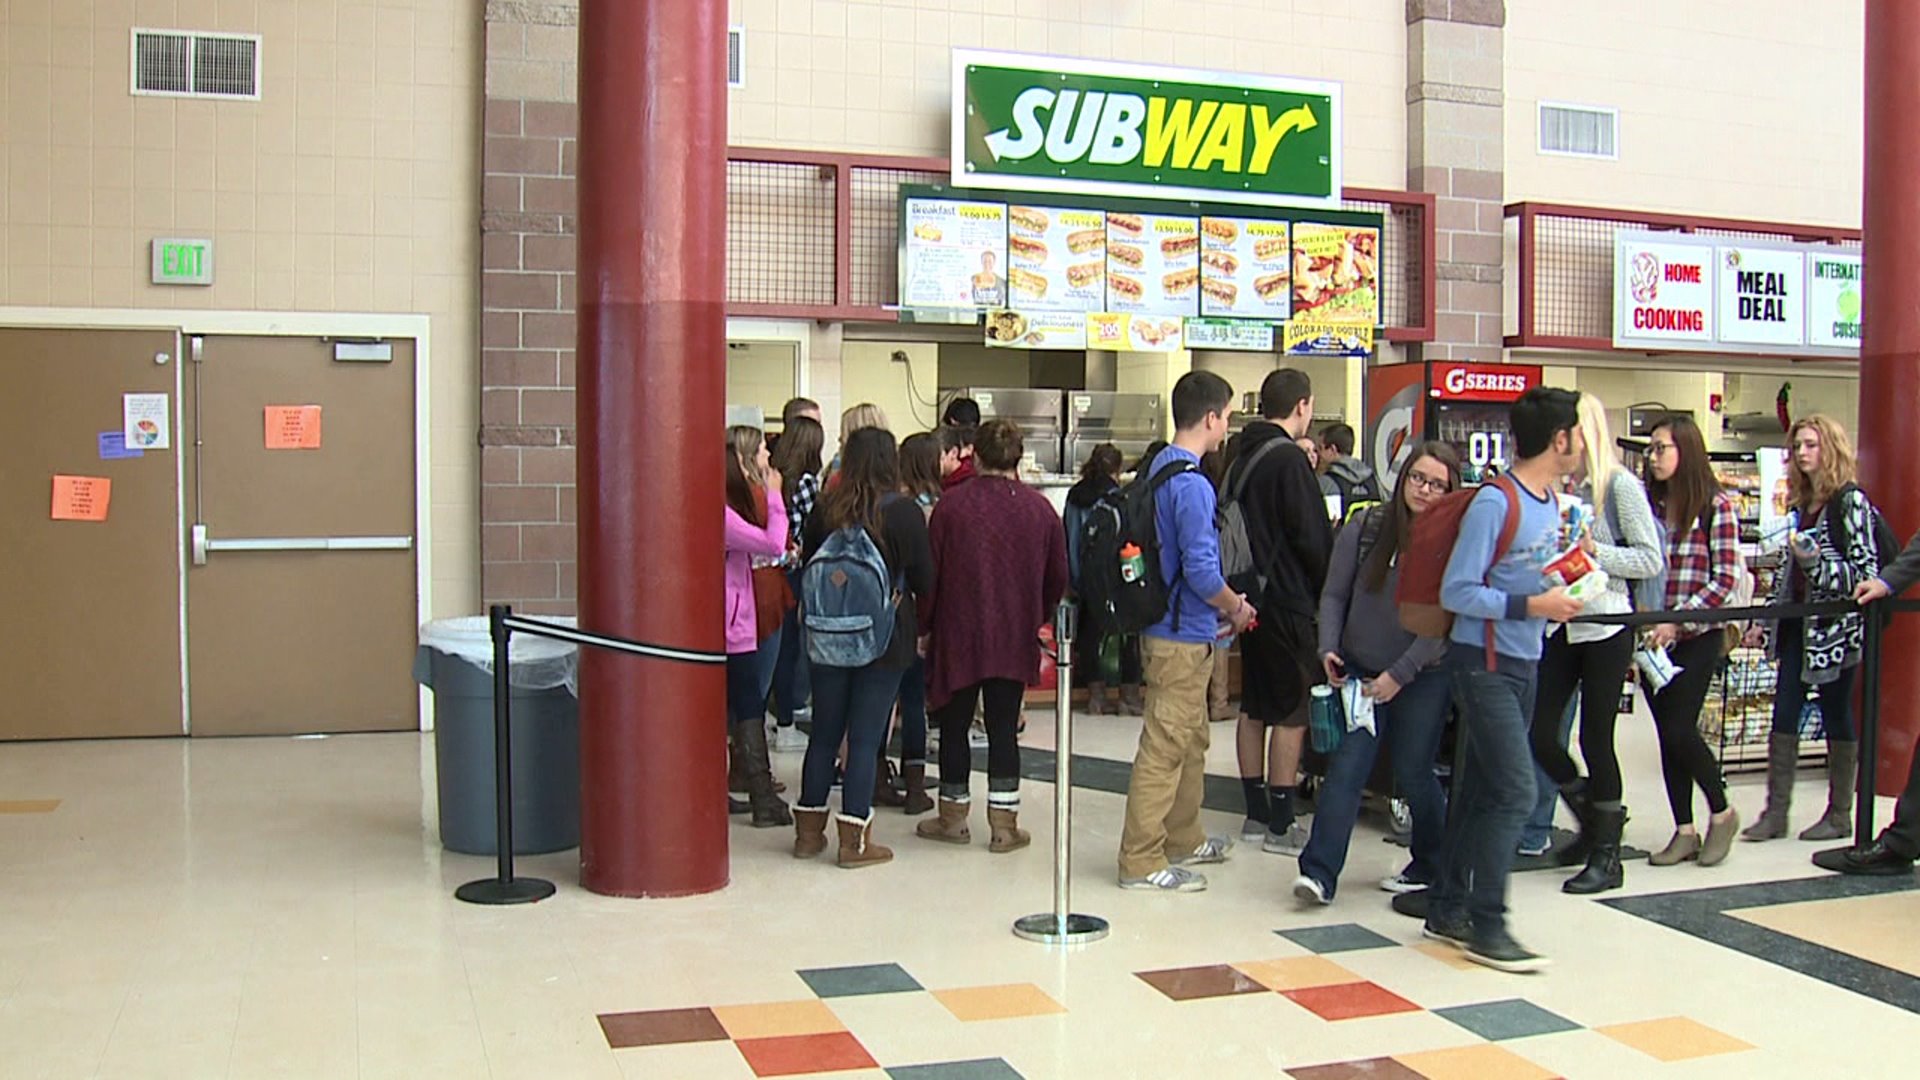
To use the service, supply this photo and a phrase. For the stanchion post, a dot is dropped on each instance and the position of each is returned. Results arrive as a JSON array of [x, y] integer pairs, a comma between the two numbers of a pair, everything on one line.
[[504, 889], [1869, 735], [1061, 926]]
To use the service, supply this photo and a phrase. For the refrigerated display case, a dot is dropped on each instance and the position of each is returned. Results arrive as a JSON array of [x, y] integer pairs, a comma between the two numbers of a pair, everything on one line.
[[1464, 405]]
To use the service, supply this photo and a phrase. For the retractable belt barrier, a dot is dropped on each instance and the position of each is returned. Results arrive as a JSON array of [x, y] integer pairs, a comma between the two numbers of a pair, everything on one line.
[[505, 888]]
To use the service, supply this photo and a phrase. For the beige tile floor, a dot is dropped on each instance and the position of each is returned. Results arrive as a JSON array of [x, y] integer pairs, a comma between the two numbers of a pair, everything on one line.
[[281, 907]]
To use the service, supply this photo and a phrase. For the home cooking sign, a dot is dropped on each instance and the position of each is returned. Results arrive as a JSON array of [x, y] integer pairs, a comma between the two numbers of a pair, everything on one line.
[[1673, 292], [1033, 123]]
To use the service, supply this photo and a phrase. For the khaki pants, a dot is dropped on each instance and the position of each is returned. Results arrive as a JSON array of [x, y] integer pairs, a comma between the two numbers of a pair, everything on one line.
[[1169, 770], [1219, 706]]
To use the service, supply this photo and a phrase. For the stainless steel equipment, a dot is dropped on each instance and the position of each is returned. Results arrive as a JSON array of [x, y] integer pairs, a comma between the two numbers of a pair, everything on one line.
[[1036, 411], [1129, 421]]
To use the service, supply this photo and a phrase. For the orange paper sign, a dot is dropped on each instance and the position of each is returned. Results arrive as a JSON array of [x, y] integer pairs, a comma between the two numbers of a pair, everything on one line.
[[293, 427], [81, 498]]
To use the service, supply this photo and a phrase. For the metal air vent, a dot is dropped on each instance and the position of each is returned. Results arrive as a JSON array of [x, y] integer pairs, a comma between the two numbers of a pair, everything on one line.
[[180, 63], [1579, 130], [736, 57]]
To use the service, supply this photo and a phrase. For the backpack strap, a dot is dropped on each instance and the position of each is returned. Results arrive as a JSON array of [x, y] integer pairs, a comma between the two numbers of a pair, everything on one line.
[[1508, 530], [1243, 469], [1157, 481]]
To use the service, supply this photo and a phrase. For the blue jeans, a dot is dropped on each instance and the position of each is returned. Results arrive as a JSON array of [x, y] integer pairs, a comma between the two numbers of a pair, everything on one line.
[[1492, 792], [913, 713], [790, 669], [1538, 832], [764, 661], [853, 703], [1411, 724]]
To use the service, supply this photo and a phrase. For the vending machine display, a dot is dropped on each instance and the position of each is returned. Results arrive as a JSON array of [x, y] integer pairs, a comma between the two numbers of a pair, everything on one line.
[[1464, 405]]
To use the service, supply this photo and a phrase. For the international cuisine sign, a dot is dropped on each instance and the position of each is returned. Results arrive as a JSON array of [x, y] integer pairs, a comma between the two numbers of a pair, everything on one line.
[[1696, 294], [1034, 123]]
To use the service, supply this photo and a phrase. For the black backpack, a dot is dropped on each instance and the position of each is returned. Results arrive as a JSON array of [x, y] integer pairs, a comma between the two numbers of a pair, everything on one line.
[[1886, 542], [1119, 600]]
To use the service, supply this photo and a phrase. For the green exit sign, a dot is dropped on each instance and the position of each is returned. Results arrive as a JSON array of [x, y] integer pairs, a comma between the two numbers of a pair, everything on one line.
[[182, 262]]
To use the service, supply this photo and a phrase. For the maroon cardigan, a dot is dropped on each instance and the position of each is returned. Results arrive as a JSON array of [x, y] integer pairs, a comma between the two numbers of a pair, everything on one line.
[[1000, 566]]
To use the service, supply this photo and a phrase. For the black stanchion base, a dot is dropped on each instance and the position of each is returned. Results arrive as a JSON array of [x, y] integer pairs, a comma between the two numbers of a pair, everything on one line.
[[1046, 929], [520, 890]]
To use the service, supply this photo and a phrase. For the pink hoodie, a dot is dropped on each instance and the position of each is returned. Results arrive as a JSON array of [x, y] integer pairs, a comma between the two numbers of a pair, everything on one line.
[[745, 540]]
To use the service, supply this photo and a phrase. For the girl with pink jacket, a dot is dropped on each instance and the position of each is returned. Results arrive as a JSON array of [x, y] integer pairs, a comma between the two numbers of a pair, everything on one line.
[[756, 525]]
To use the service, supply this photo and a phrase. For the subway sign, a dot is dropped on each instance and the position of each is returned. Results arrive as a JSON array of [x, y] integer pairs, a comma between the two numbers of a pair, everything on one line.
[[1030, 123]]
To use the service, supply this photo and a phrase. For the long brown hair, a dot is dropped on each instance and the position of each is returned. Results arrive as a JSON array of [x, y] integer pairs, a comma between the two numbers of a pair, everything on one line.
[[743, 481], [869, 471], [1837, 468], [920, 465], [797, 453], [1690, 494], [1398, 528]]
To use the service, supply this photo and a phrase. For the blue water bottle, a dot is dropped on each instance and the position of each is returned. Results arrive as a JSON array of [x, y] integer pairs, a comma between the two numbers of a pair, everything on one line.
[[1325, 725]]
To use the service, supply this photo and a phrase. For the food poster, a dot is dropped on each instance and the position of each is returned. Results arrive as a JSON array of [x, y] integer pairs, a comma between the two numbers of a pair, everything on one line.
[[1135, 333], [1056, 259], [1245, 268], [1153, 264], [1336, 274], [1036, 330], [956, 254]]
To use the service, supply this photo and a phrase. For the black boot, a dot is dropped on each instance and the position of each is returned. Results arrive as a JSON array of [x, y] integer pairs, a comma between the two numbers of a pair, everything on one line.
[[769, 811], [1603, 862], [1577, 800]]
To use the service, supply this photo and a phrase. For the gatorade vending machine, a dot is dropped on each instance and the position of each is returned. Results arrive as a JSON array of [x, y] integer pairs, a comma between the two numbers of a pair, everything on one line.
[[1462, 404]]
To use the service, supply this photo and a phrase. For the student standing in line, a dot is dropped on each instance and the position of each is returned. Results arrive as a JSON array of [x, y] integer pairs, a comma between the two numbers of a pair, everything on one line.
[[1099, 477], [795, 408], [1343, 477], [864, 415], [753, 528], [1703, 563], [1361, 638], [1292, 542], [796, 457], [1501, 609], [920, 466], [1893, 853], [957, 432], [1220, 706], [1591, 661], [1162, 835], [1831, 551]]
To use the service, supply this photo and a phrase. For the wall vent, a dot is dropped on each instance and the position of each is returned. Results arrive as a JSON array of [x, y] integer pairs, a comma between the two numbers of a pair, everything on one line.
[[180, 63], [736, 57], [1579, 131]]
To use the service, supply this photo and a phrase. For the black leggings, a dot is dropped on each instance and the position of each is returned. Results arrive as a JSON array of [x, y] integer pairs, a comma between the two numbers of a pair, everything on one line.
[[1003, 701], [1599, 670], [1685, 759]]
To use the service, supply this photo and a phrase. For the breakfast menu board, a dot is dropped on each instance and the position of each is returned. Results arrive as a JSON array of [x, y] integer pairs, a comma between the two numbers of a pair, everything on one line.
[[1153, 264], [1336, 273], [955, 254], [1244, 268], [1056, 258]]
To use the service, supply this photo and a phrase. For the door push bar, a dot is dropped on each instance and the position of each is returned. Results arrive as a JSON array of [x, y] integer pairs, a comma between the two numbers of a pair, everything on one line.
[[203, 544]]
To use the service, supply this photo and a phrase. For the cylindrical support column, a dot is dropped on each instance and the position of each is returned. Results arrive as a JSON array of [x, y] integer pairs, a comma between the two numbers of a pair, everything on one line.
[[1890, 355], [652, 344]]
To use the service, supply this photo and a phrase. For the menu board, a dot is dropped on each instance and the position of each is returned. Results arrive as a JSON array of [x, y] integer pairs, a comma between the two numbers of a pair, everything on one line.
[[1229, 334], [1036, 330], [1336, 273], [1245, 268], [1135, 333], [1761, 296], [1056, 258], [955, 254], [1833, 300], [1153, 264]]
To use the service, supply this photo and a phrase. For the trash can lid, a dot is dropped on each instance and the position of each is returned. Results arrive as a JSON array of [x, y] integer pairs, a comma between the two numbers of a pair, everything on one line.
[[535, 663]]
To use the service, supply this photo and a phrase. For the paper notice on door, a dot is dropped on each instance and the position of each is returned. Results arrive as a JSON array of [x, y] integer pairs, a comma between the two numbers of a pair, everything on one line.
[[146, 425], [293, 427], [113, 447], [81, 498]]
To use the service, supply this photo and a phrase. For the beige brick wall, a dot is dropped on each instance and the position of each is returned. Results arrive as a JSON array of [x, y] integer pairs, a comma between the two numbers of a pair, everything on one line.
[[349, 187]]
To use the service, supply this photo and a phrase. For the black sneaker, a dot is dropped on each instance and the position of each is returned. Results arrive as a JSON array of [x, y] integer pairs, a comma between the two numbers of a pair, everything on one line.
[[1871, 860], [1500, 952], [1455, 930]]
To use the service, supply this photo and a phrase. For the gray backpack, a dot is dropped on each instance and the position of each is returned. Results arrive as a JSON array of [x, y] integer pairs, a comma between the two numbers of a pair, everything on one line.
[[1244, 575]]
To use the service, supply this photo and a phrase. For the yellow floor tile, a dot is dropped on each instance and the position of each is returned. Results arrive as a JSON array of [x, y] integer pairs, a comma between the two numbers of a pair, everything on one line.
[[998, 1002], [1297, 973], [1675, 1038], [28, 806], [1448, 955], [778, 1018], [1873, 928], [1473, 1063]]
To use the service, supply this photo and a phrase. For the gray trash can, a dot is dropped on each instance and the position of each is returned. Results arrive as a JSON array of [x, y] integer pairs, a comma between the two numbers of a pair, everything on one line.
[[455, 661]]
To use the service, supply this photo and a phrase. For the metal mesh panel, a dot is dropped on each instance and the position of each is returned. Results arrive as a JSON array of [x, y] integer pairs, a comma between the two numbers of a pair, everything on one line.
[[1402, 262], [160, 62], [779, 233], [876, 232], [226, 66]]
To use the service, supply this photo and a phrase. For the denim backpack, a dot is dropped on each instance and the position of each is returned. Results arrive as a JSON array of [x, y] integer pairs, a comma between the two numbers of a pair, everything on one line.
[[847, 601]]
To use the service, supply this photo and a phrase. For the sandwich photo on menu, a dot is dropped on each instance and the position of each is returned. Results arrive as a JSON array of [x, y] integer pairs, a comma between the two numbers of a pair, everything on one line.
[[1221, 262], [1174, 247], [1026, 247], [1080, 275], [1180, 281], [1086, 241], [1225, 292], [1271, 285], [1270, 249], [1127, 254], [1130, 224], [1220, 229], [1127, 288], [1029, 219], [1027, 283]]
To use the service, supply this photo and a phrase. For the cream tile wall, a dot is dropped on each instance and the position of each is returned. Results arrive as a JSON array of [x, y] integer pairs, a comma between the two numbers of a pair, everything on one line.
[[874, 75], [351, 186], [1731, 108]]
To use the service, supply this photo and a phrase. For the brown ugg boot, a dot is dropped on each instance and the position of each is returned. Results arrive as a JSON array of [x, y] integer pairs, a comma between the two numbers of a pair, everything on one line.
[[917, 801], [951, 826], [857, 848], [1131, 701], [1007, 833], [809, 831], [1097, 703]]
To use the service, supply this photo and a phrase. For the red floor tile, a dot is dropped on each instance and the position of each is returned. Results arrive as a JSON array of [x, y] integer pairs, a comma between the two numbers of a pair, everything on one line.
[[661, 1027], [1352, 1001], [792, 1055]]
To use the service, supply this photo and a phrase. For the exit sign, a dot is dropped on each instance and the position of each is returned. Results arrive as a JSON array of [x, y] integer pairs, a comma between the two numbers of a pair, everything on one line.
[[182, 262]]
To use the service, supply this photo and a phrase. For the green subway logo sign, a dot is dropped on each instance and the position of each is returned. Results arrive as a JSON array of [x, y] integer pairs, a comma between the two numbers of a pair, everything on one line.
[[1086, 127]]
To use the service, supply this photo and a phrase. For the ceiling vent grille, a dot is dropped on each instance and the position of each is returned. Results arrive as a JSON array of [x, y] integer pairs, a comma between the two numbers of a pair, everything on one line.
[[1579, 131], [178, 63]]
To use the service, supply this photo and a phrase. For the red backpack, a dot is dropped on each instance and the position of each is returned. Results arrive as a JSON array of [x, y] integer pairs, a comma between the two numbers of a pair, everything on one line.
[[1424, 562]]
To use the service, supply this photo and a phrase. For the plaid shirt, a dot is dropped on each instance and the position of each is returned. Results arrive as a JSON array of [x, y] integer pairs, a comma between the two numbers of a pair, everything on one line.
[[800, 502], [1701, 568]]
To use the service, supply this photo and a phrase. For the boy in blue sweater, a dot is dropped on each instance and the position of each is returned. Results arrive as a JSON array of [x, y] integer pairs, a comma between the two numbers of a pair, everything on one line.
[[1494, 789]]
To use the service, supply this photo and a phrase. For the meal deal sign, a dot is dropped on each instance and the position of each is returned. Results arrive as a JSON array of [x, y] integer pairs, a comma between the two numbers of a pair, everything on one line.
[[1762, 299], [1674, 292], [1662, 293], [1033, 123]]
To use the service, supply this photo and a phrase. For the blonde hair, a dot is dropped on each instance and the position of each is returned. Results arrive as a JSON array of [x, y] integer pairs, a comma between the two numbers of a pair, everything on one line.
[[1600, 453], [864, 415], [1837, 467]]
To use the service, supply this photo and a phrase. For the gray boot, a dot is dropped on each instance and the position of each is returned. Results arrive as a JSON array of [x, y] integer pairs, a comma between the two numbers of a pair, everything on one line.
[[1843, 765], [1783, 760]]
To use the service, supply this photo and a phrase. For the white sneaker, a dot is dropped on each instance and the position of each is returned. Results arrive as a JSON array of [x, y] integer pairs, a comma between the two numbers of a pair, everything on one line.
[[1212, 850], [1252, 830], [787, 740], [1401, 883], [1308, 891], [1292, 842], [977, 738], [1171, 879]]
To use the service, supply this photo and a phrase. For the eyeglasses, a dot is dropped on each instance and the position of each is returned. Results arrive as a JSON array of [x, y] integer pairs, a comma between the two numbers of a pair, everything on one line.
[[1658, 448], [1427, 483]]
